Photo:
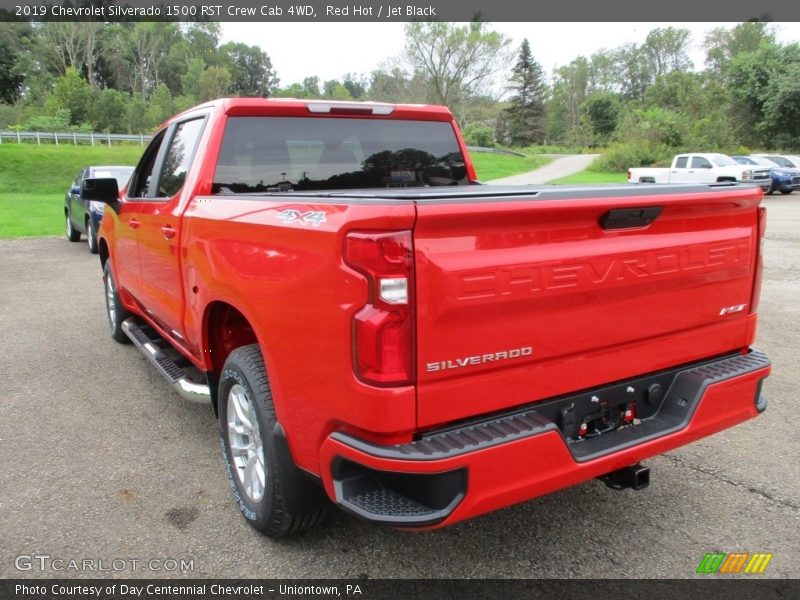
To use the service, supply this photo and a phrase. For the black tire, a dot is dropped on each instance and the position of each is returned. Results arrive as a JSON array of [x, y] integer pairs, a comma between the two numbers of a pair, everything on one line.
[[91, 237], [770, 190], [290, 501], [115, 312], [786, 192], [73, 235]]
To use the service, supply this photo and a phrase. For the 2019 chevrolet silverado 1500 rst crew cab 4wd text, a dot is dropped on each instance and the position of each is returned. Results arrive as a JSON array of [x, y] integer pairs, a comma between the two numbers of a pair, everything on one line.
[[376, 330]]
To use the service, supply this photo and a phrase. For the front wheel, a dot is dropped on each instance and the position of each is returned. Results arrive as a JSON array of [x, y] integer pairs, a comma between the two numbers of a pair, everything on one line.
[[786, 192], [274, 496], [73, 235], [115, 312]]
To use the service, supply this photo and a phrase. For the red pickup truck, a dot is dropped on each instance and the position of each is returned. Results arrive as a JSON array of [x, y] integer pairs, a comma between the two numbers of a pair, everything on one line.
[[376, 329]]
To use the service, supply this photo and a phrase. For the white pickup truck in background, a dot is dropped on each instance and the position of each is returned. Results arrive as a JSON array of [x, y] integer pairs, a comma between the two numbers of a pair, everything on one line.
[[702, 168]]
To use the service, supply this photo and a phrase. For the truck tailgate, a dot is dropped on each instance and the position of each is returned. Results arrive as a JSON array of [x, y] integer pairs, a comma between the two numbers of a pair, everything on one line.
[[525, 298]]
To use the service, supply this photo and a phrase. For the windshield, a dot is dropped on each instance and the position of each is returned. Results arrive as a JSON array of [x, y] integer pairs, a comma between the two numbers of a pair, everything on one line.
[[723, 161], [780, 161], [265, 154], [121, 175]]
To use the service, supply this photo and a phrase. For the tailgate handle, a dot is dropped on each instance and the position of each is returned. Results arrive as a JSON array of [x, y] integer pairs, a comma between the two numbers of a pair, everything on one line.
[[626, 218]]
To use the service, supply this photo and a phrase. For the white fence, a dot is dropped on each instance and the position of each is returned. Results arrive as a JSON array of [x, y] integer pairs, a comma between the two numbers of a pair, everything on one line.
[[70, 137], [106, 139]]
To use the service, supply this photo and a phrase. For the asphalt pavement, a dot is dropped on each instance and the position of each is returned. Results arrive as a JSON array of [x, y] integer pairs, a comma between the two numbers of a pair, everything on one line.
[[101, 460]]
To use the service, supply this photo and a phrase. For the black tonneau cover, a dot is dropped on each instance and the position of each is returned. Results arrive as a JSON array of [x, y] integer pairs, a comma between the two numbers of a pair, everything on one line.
[[489, 193]]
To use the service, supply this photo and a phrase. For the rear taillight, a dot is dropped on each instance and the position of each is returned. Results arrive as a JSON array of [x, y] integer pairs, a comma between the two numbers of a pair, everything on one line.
[[762, 229], [383, 329]]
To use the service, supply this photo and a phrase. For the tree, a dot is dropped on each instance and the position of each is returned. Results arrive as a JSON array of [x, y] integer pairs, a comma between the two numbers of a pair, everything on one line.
[[395, 85], [601, 112], [782, 109], [457, 60], [73, 93], [159, 107], [748, 78], [570, 84], [150, 42], [667, 50], [334, 89], [311, 87], [64, 43], [524, 119], [722, 45], [110, 110], [633, 71], [203, 39], [250, 68], [215, 82], [112, 68], [356, 85], [192, 85], [14, 44]]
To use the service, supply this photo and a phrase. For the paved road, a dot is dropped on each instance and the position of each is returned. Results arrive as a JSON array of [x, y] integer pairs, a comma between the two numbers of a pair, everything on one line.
[[100, 459], [560, 167]]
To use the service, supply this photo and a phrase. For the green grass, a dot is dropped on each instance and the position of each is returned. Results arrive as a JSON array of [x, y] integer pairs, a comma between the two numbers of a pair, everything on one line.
[[34, 179], [494, 166], [589, 177], [32, 169], [31, 215]]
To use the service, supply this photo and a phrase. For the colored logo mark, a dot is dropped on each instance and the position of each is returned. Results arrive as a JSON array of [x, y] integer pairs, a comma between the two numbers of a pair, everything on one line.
[[735, 562]]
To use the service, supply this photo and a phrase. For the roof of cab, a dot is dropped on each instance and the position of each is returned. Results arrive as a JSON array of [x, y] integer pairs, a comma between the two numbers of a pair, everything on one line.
[[321, 108]]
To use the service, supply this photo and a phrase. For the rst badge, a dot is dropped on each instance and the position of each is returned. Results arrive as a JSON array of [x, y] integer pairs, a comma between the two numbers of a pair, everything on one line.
[[732, 309]]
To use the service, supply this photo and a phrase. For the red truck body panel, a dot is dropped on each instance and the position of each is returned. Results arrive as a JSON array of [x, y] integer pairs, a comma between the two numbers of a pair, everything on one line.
[[519, 296]]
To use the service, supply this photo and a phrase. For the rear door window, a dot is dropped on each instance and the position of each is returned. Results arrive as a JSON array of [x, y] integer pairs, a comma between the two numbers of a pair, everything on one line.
[[179, 157], [141, 178], [698, 162], [680, 162]]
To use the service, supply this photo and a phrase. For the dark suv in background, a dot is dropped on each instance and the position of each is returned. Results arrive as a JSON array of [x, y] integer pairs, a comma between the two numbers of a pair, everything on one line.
[[83, 217]]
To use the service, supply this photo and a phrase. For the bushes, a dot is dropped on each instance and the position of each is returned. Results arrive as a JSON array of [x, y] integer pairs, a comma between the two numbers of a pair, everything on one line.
[[476, 134], [652, 136], [621, 156]]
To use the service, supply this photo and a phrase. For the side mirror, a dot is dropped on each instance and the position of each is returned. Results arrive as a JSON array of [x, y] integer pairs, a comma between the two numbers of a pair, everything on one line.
[[75, 190], [103, 190], [707, 166]]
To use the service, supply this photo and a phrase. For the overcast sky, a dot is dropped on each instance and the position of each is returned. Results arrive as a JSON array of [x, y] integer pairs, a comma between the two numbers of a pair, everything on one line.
[[329, 50]]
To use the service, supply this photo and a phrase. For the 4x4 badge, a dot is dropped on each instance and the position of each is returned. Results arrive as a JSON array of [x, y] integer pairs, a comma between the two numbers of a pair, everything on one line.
[[314, 217]]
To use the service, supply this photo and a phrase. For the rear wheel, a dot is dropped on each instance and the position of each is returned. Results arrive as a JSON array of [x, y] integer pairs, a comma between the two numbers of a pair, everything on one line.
[[274, 496], [786, 192], [115, 312], [91, 236], [73, 235]]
